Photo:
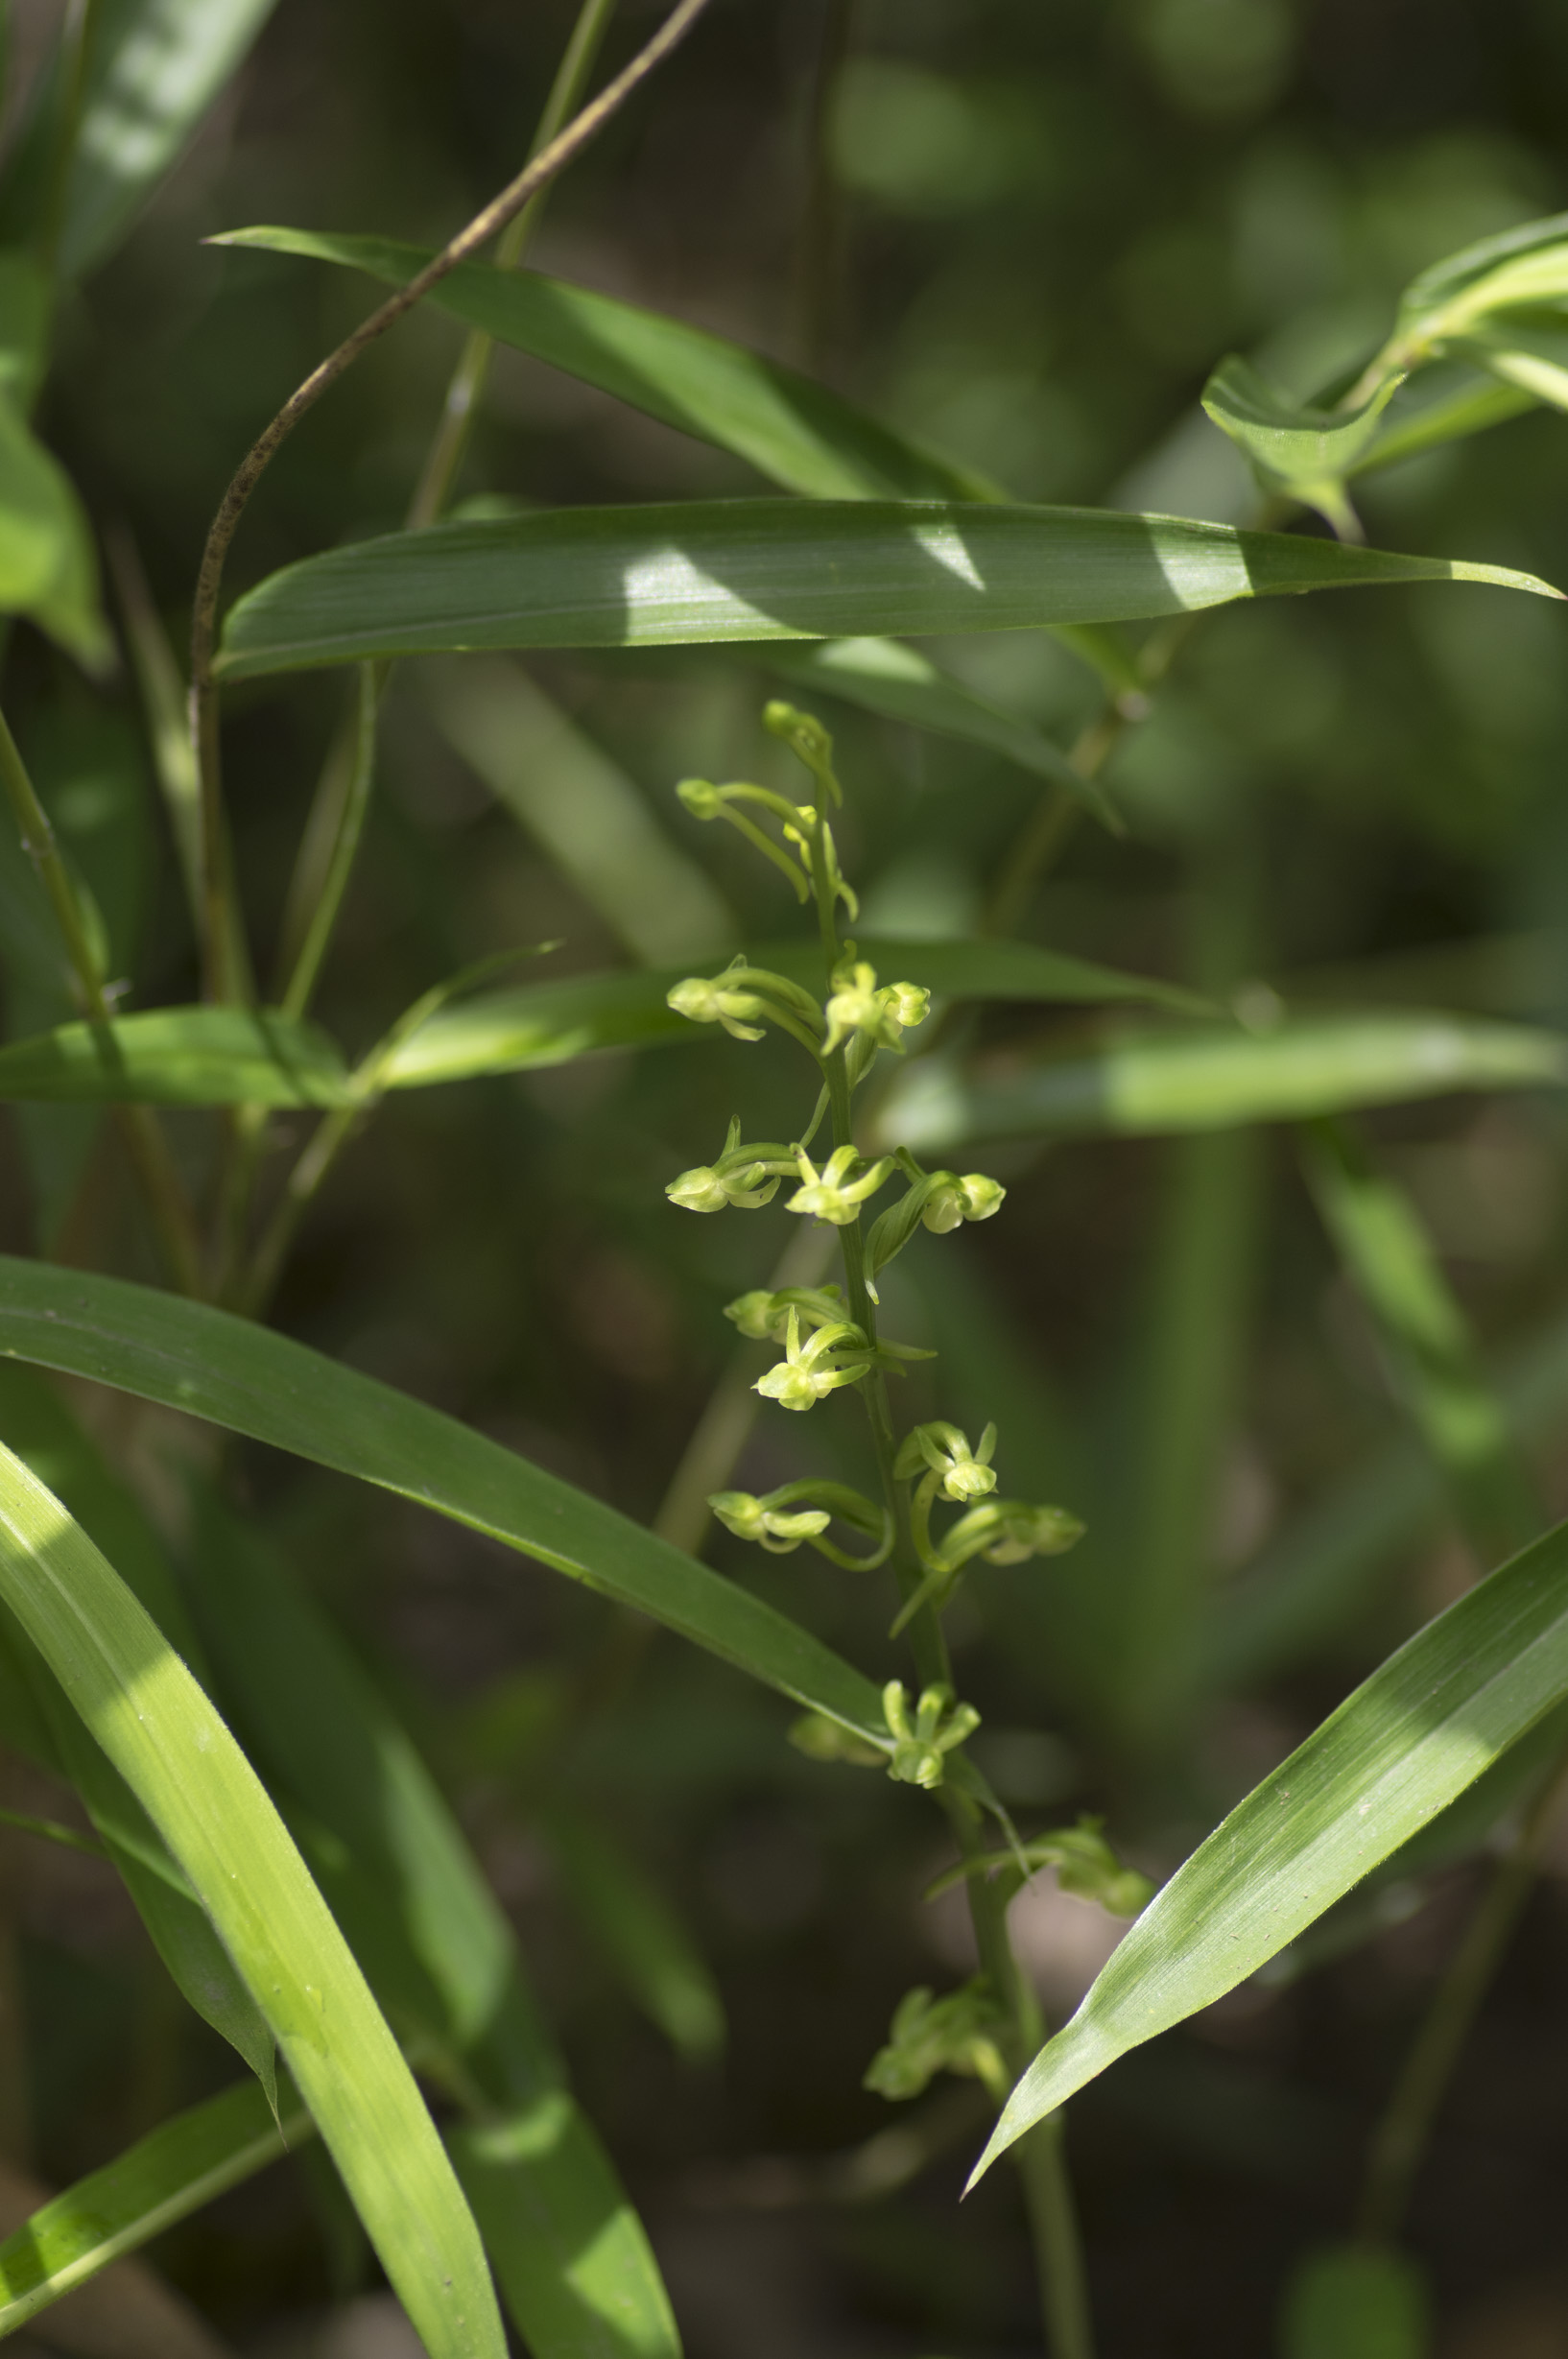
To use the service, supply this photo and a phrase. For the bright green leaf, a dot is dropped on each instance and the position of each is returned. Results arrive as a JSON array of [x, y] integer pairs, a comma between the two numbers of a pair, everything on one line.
[[1295, 448], [1524, 265], [47, 568], [747, 570], [798, 434], [1529, 350], [1208, 1079], [180, 1057], [166, 1740], [1422, 1728]]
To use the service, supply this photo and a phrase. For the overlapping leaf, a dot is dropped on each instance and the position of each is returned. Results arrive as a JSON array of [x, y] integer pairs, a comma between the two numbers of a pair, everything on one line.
[[180, 1057], [1427, 1724], [733, 571]]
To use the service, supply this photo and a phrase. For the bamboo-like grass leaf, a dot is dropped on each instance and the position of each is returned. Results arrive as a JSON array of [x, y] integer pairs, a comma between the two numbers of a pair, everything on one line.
[[732, 571], [639, 1932], [436, 1949], [180, 1057], [1206, 1080], [1295, 448], [151, 71], [164, 1736], [47, 568], [1426, 414], [798, 434], [1422, 1728], [160, 2181], [1521, 266], [255, 1382], [885, 676], [1528, 351]]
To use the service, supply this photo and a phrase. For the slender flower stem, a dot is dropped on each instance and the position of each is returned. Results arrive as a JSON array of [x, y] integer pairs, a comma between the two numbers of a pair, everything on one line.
[[355, 801], [1406, 2128], [466, 389], [149, 1149], [219, 916]]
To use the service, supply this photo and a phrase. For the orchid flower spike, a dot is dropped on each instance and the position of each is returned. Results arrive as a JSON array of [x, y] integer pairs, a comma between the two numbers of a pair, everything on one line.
[[837, 1191], [921, 1738], [809, 1372]]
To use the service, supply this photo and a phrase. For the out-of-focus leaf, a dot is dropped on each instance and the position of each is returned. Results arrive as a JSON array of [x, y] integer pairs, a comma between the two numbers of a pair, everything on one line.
[[639, 1932], [1423, 418], [798, 434], [1390, 1260], [534, 2178], [547, 1023], [1526, 349], [593, 819], [1523, 266], [732, 571], [1426, 1724], [1356, 2301], [436, 1948], [47, 568], [262, 1384], [885, 676], [1295, 448], [158, 2181], [1209, 1080], [180, 1057], [165, 1738], [152, 70], [24, 329]]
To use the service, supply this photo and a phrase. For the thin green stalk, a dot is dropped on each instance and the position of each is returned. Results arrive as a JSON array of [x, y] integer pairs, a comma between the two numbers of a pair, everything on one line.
[[466, 389], [355, 802], [327, 1141], [75, 46], [172, 1216], [1402, 2136]]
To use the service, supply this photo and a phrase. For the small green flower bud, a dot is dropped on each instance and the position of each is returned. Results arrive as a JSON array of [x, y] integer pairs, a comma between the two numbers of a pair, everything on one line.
[[701, 799], [698, 1190], [952, 1200], [779, 1530], [1025, 1532], [757, 1316], [706, 1002], [802, 732], [908, 1003]]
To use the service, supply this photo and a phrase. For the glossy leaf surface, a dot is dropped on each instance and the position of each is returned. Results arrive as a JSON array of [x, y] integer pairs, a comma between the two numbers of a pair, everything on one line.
[[732, 571], [1422, 1728], [180, 1057], [163, 1735]]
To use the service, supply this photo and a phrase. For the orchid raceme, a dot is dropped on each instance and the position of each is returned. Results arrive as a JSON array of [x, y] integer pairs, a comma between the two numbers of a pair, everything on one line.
[[797, 1512], [939, 1200], [923, 1738], [810, 1370], [949, 1462], [764, 1521], [836, 1192], [857, 1005], [743, 999], [745, 1177]]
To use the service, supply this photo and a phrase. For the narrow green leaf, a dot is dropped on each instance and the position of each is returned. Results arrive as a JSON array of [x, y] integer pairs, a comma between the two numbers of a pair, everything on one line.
[[1391, 1261], [797, 433], [547, 1023], [1424, 1726], [167, 1741], [180, 1057], [47, 568], [1356, 2301], [436, 1947], [154, 2185], [638, 1931], [1441, 405], [1197, 1081], [1528, 351], [744, 570], [254, 1382], [152, 70], [1524, 265], [535, 2179], [885, 676], [1293, 447]]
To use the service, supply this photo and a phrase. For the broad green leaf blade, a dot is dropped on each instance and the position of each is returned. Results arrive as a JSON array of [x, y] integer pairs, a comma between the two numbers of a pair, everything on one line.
[[433, 1942], [1391, 1261], [1528, 351], [547, 1023], [639, 1932], [155, 2183], [47, 568], [535, 2179], [180, 1057], [1293, 447], [885, 676], [258, 1383], [732, 571], [167, 1741], [1198, 1080], [1425, 1726], [796, 433], [153, 68]]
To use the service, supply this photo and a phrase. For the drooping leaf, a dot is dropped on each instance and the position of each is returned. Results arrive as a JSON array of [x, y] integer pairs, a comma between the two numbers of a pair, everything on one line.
[[1424, 1728], [1521, 266], [1293, 447], [180, 1057], [732, 571], [163, 1735], [255, 1382], [1198, 1080], [47, 568], [155, 2183], [798, 434], [152, 70], [885, 676]]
